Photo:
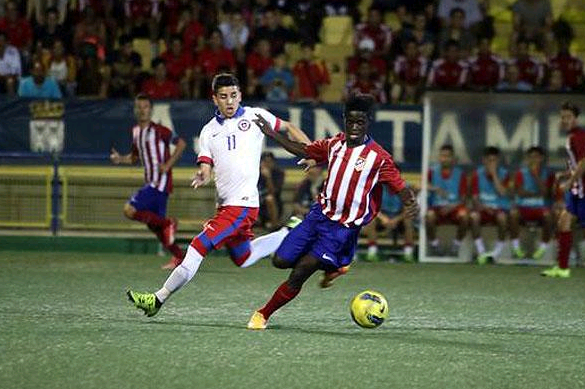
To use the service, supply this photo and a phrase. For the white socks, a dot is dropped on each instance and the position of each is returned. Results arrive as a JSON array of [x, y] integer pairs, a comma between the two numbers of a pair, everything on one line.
[[479, 246], [498, 248], [264, 246], [181, 275]]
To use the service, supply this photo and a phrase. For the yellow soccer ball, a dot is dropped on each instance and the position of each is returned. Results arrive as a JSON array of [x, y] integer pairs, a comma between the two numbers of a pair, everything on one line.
[[369, 309]]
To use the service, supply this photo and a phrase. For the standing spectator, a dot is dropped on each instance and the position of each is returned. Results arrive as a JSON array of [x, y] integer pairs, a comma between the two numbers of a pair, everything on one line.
[[10, 66], [455, 30], [273, 30], [512, 81], [491, 202], [409, 74], [278, 81], [142, 18], [38, 85], [191, 29], [178, 63], [18, 30], [365, 83], [63, 68], [257, 63], [307, 191], [485, 69], [270, 186], [571, 67], [376, 30], [310, 75], [530, 69], [160, 86], [471, 9], [123, 69], [533, 22], [51, 30], [448, 72], [365, 53], [215, 58]]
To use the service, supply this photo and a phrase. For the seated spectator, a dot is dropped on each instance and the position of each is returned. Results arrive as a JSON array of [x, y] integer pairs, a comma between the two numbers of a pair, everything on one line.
[[191, 29], [10, 66], [390, 219], [178, 63], [365, 82], [310, 76], [90, 29], [278, 81], [141, 18], [18, 30], [410, 71], [533, 22], [485, 69], [159, 86], [51, 30], [376, 30], [570, 66], [257, 63], [531, 70], [448, 72], [213, 59], [38, 85], [512, 81], [123, 69], [555, 82], [425, 41], [92, 74], [307, 191], [270, 186], [365, 53], [235, 31], [471, 8], [273, 31], [62, 67], [455, 30]]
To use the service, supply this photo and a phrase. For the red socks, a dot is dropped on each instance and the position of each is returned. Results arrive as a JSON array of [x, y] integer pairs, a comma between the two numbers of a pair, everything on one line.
[[283, 295], [565, 241], [150, 218]]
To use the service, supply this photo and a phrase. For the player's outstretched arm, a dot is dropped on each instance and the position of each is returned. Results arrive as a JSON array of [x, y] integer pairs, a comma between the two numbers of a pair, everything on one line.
[[295, 133], [293, 147]]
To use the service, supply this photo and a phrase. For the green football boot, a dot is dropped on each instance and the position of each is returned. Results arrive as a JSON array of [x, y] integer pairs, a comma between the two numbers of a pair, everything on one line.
[[519, 253], [145, 301], [538, 254], [292, 222]]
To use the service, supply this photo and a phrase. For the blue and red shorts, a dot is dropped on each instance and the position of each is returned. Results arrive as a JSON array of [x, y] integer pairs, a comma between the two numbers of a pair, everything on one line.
[[231, 227], [576, 206], [331, 242], [150, 199]]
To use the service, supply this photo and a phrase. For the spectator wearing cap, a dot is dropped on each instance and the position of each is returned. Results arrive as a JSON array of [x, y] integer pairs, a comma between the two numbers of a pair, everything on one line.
[[38, 85], [376, 30], [365, 53], [160, 86], [10, 66]]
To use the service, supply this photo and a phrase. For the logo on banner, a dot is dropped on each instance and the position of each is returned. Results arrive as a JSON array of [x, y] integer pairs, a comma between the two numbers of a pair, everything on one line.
[[244, 125], [47, 128], [360, 164]]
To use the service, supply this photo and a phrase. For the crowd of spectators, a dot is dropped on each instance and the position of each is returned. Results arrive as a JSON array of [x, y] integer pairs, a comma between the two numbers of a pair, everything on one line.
[[87, 47]]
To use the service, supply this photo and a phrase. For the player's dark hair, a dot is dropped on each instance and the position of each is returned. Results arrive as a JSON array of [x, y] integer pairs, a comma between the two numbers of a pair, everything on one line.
[[142, 96], [360, 102], [447, 147], [568, 106], [223, 79], [536, 149], [491, 150]]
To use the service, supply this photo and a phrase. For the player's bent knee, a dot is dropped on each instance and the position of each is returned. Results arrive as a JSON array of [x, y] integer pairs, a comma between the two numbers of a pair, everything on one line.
[[279, 262]]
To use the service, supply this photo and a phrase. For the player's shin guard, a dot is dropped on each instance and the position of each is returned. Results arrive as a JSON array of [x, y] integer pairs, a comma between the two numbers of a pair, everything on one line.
[[281, 296]]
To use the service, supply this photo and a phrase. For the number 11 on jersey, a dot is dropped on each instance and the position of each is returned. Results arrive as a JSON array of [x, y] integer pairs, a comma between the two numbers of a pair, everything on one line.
[[231, 142]]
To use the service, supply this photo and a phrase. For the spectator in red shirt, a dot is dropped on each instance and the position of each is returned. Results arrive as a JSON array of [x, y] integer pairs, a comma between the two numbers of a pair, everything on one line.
[[486, 70], [530, 69], [191, 29], [257, 63], [211, 60], [178, 62], [571, 67], [376, 30], [366, 53], [364, 83], [448, 72], [310, 76], [159, 86], [409, 74], [17, 28]]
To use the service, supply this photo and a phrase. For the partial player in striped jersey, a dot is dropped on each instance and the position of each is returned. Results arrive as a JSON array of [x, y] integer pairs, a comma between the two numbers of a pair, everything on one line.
[[327, 238], [151, 145]]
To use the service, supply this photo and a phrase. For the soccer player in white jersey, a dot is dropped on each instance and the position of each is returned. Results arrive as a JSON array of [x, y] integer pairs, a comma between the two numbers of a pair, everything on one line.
[[230, 145], [327, 238], [151, 145]]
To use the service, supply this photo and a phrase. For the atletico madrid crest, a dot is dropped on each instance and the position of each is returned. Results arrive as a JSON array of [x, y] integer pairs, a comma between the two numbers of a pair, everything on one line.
[[360, 164], [244, 125]]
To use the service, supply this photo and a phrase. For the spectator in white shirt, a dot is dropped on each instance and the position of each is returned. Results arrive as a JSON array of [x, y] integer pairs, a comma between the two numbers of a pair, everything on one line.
[[10, 66]]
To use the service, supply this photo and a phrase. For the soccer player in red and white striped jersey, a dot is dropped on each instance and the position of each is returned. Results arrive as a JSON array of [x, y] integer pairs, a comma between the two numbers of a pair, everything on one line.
[[351, 197], [151, 145]]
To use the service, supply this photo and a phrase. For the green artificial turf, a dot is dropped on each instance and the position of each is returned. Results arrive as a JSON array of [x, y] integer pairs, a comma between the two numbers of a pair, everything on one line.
[[65, 323]]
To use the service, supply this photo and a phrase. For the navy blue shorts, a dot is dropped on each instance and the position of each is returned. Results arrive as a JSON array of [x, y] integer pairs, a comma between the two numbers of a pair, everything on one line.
[[576, 206], [332, 243], [150, 199]]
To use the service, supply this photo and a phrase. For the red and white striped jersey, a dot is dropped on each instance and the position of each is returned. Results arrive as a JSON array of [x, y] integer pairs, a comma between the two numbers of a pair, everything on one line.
[[576, 151], [352, 192], [151, 145]]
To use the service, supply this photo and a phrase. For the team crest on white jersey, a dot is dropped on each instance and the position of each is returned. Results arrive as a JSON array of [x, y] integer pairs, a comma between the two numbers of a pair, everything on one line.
[[244, 125], [360, 164]]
